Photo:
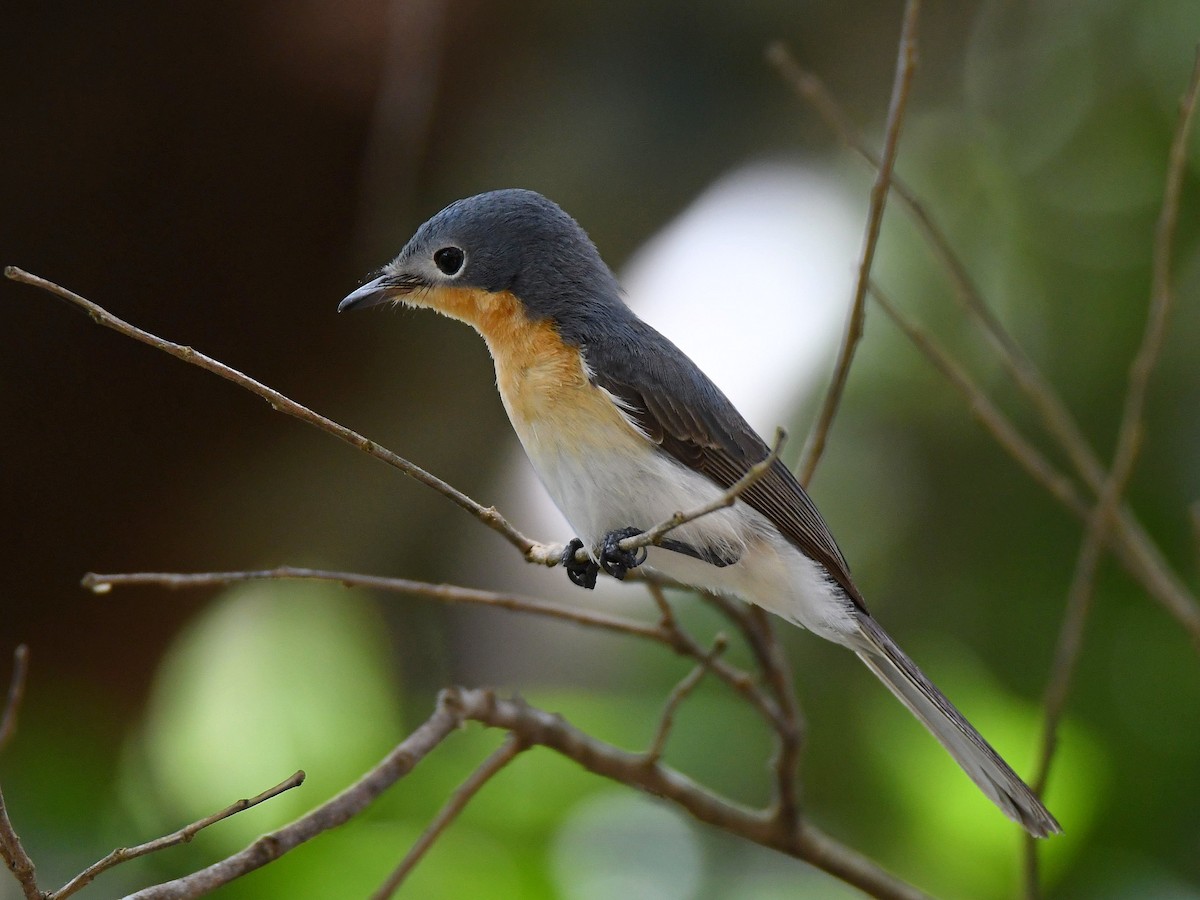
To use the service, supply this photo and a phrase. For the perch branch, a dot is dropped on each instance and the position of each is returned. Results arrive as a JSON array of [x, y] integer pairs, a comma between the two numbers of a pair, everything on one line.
[[730, 496], [905, 67], [182, 836], [458, 801]]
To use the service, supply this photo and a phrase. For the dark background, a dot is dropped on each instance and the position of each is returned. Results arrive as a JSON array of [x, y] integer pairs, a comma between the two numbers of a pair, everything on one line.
[[222, 174]]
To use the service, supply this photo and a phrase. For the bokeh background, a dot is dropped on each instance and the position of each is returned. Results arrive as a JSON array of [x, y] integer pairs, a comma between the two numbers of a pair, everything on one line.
[[223, 173]]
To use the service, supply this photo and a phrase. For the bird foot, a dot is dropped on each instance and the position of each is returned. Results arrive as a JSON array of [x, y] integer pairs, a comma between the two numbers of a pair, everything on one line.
[[613, 560], [617, 562], [580, 573]]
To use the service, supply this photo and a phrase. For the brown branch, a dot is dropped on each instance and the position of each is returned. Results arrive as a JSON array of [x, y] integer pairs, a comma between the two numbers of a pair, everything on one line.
[[503, 755], [741, 682], [16, 860], [16, 693], [679, 693], [803, 841], [1139, 555], [1126, 538], [488, 515], [730, 496], [1129, 439], [905, 67], [446, 593], [182, 836], [340, 809], [755, 625]]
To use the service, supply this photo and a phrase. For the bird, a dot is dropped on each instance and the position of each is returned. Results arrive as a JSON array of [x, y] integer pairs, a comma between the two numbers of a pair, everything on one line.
[[624, 430]]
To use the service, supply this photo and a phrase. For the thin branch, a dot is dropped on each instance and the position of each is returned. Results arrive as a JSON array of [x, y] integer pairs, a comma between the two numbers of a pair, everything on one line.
[[675, 699], [989, 415], [905, 67], [340, 809], [11, 851], [15, 858], [791, 735], [503, 755], [488, 515], [755, 625], [1139, 553], [1127, 539], [730, 496], [16, 693], [446, 593], [740, 681], [1129, 439], [182, 836], [803, 841]]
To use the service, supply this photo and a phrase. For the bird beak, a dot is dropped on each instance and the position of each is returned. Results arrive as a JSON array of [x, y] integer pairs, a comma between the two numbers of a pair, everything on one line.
[[374, 292]]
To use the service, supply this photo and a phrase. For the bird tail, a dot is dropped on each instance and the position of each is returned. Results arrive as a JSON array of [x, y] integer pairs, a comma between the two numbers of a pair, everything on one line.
[[983, 764]]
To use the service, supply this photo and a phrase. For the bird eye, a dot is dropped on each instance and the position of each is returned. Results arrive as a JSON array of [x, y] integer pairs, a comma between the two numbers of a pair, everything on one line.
[[449, 260]]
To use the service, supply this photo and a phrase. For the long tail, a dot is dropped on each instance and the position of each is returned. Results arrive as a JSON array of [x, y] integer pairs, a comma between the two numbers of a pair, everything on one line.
[[983, 764]]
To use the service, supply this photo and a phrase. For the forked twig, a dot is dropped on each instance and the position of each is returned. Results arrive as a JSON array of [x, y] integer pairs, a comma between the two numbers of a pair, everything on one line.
[[502, 756], [1129, 437], [1132, 544], [182, 836], [905, 67], [679, 693]]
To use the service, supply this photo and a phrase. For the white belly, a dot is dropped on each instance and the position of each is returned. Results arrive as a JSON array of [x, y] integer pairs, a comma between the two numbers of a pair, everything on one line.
[[619, 483]]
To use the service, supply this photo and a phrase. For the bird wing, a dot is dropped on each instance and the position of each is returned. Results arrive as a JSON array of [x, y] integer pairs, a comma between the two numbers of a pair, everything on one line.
[[680, 409]]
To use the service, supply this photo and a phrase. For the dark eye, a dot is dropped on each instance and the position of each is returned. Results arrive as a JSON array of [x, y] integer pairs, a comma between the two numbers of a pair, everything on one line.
[[449, 260]]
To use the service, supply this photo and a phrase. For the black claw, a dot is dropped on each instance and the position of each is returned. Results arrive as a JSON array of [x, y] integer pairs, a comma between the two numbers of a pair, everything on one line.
[[581, 573], [617, 562]]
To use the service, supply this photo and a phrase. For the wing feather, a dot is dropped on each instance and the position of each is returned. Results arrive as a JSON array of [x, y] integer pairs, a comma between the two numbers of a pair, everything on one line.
[[678, 407]]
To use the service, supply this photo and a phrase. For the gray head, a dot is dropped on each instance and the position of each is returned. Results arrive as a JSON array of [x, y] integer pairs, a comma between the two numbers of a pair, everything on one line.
[[504, 242]]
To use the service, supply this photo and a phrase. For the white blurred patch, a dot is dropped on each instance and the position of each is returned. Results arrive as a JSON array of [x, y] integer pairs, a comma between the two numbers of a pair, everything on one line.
[[752, 281], [627, 847]]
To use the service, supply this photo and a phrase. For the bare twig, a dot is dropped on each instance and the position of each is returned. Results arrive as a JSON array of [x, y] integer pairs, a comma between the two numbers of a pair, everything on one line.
[[488, 515], [1129, 437], [996, 422], [755, 626], [340, 809], [1132, 544], [678, 694], [182, 836], [11, 851], [503, 755], [1126, 538], [741, 682], [447, 593], [530, 726], [802, 841], [730, 496], [15, 858], [16, 693], [905, 67]]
